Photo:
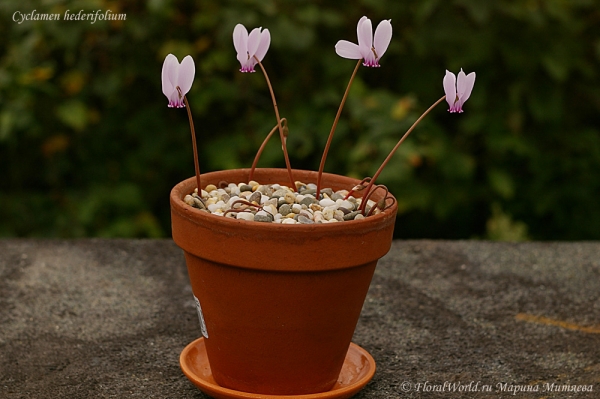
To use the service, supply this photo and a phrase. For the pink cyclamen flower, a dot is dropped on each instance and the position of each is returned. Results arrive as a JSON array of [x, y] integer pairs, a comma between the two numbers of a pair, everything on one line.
[[250, 46], [458, 90], [368, 48], [177, 79]]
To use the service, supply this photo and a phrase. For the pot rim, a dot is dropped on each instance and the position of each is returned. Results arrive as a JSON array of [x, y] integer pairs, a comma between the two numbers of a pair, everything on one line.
[[273, 246]]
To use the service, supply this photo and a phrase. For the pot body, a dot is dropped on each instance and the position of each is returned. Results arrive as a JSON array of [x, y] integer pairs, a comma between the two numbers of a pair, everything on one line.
[[280, 302]]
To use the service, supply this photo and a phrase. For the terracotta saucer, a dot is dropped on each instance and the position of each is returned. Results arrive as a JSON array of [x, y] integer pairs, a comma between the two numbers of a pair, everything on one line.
[[357, 371]]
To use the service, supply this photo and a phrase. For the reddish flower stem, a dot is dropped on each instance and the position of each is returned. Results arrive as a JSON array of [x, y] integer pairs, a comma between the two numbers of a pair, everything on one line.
[[262, 147], [196, 163], [385, 162], [281, 135], [335, 122]]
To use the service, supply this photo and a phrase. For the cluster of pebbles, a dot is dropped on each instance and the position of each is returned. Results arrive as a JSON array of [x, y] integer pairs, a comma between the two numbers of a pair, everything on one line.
[[275, 203]]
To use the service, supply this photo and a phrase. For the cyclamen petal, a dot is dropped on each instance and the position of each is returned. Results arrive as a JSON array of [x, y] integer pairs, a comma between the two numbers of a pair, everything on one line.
[[458, 90], [449, 83], [383, 36], [249, 46], [177, 79], [253, 40], [464, 86], [369, 49], [345, 49], [365, 33], [187, 70], [167, 87], [240, 38], [263, 47]]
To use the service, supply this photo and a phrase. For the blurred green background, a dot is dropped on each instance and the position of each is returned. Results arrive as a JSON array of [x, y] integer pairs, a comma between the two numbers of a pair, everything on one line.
[[88, 146]]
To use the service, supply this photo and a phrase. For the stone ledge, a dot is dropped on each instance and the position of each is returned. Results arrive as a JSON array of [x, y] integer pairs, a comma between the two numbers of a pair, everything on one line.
[[99, 318]]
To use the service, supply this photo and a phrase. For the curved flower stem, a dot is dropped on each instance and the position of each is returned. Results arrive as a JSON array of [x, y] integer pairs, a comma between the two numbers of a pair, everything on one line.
[[359, 187], [243, 202], [281, 135], [381, 203], [335, 122], [262, 147], [196, 164], [385, 162]]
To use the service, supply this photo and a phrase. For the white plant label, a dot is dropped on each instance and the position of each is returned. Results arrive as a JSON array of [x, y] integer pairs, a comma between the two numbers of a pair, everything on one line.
[[201, 318]]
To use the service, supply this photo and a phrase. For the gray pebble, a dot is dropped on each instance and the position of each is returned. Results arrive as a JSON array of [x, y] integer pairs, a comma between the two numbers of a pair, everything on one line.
[[279, 193], [245, 187], [346, 211], [308, 201], [285, 209], [265, 190], [309, 191], [351, 215], [304, 220], [263, 218], [327, 191], [255, 197], [199, 204], [336, 196]]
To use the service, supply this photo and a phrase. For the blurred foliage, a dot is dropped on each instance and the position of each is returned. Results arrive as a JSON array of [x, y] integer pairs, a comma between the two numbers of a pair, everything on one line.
[[88, 146]]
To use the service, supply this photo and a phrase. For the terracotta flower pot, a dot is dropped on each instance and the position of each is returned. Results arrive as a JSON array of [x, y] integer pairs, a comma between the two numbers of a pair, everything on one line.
[[280, 302]]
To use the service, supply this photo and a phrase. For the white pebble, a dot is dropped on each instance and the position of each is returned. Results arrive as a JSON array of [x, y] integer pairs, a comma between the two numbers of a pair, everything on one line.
[[326, 202], [299, 198], [306, 214], [288, 221], [245, 216], [213, 208], [232, 200], [296, 208], [346, 204], [188, 199], [318, 217], [271, 209]]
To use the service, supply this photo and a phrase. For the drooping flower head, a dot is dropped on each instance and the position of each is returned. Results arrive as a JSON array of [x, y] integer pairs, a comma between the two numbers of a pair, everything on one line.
[[177, 79], [249, 46], [458, 90], [369, 48]]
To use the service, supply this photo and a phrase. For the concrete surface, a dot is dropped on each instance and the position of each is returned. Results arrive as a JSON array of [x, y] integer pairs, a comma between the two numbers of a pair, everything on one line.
[[108, 318]]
